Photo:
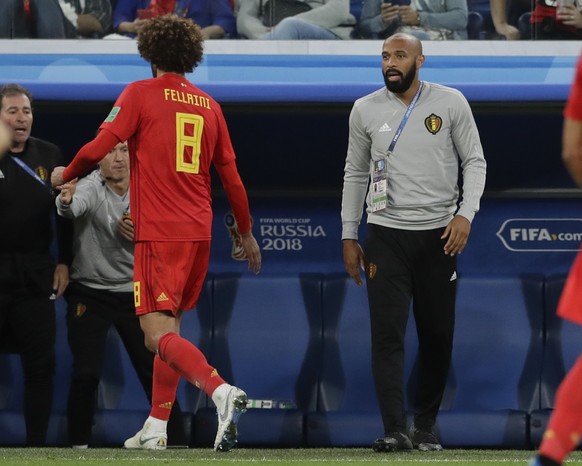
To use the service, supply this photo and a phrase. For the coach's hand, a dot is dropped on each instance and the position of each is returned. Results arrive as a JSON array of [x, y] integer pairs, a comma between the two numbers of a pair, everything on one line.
[[353, 259], [457, 234]]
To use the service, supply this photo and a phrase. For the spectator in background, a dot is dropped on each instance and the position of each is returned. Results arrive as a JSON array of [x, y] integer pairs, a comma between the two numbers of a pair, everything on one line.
[[41, 19], [30, 280], [425, 19], [502, 19], [551, 23], [215, 17], [564, 429], [100, 294], [318, 19], [87, 18], [499, 17]]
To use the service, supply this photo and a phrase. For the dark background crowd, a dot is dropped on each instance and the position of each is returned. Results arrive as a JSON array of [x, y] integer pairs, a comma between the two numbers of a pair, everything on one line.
[[297, 19]]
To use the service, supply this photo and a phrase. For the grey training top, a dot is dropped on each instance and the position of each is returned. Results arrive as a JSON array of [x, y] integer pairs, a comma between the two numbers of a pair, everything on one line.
[[422, 172], [102, 259]]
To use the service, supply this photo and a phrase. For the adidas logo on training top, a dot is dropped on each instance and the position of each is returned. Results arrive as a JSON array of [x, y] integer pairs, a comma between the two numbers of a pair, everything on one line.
[[384, 128], [453, 276], [162, 297]]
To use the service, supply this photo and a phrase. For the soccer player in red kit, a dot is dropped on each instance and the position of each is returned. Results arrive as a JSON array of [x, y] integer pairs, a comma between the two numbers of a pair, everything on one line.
[[564, 430], [174, 132]]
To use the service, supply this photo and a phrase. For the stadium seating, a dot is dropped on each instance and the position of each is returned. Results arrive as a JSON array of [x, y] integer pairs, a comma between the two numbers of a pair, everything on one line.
[[302, 343], [267, 339], [496, 362], [474, 25], [562, 349], [12, 428], [346, 389]]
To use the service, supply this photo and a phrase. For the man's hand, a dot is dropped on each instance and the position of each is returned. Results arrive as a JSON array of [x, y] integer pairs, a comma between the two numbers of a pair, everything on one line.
[[252, 251], [57, 177], [353, 259], [570, 16], [409, 15], [125, 228], [389, 12], [457, 234], [60, 279], [508, 31], [67, 192]]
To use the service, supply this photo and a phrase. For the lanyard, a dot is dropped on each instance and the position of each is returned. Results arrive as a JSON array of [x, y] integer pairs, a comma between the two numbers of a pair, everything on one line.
[[405, 118], [32, 173]]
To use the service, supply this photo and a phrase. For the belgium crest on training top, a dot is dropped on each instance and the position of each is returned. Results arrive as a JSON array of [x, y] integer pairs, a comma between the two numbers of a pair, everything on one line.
[[433, 123]]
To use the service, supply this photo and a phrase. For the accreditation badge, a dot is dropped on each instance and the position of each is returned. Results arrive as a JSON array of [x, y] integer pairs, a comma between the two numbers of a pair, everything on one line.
[[378, 188]]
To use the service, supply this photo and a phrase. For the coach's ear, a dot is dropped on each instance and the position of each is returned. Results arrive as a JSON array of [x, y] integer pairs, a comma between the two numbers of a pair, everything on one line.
[[419, 61]]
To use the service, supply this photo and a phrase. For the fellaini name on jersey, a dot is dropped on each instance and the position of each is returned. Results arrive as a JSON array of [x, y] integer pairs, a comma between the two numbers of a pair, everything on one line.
[[186, 98]]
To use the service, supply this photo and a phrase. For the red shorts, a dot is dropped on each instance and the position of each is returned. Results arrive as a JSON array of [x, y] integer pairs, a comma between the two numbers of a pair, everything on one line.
[[570, 304], [169, 275]]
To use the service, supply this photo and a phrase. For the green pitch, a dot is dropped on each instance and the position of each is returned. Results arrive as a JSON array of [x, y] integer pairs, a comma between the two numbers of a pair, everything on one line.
[[252, 456]]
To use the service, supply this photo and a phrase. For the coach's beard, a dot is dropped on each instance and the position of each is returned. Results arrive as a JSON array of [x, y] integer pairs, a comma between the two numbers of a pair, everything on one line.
[[399, 87]]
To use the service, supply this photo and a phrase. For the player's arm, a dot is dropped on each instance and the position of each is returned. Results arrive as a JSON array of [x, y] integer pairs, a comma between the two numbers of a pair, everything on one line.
[[237, 197], [572, 148], [86, 159], [572, 129]]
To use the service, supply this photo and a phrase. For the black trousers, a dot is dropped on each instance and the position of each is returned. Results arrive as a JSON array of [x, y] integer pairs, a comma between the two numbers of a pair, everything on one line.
[[90, 315], [28, 327], [405, 265]]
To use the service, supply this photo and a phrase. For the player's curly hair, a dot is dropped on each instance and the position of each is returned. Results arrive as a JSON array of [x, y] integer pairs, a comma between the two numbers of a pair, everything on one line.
[[171, 44]]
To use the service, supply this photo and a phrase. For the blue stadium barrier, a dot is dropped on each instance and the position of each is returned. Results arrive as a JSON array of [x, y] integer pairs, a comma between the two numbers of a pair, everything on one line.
[[12, 428], [303, 339], [297, 71], [496, 362], [562, 349], [267, 340], [122, 405], [348, 412]]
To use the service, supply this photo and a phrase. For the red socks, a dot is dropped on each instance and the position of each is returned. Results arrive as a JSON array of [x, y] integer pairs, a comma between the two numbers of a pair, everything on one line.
[[165, 384], [563, 432], [189, 362]]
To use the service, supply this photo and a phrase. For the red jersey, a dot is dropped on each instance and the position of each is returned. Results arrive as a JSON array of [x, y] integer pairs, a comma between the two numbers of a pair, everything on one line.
[[573, 108], [569, 305], [174, 131]]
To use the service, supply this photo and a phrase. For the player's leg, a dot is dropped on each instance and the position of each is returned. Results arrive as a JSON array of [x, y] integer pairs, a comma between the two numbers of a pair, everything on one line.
[[434, 282], [153, 435], [128, 326], [389, 290], [565, 427], [161, 291], [190, 362]]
